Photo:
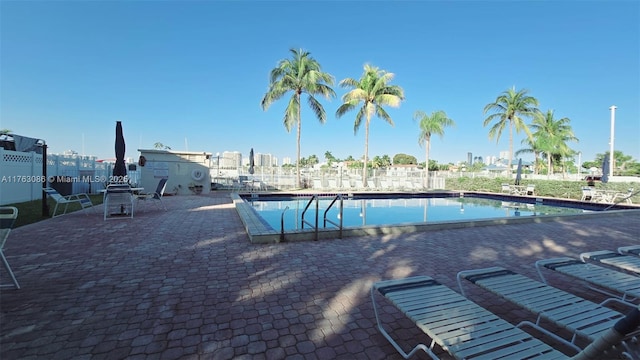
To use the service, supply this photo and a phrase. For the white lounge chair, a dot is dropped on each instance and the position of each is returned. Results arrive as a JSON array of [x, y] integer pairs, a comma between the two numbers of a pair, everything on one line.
[[454, 323], [82, 199], [467, 331], [604, 280], [610, 258], [8, 216], [584, 319], [631, 250]]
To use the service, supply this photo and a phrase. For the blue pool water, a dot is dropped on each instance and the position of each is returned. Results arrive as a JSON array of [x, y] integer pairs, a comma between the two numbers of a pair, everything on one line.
[[398, 211]]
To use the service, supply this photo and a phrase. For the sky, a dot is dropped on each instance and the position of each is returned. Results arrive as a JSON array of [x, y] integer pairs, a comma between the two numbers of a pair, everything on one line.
[[191, 74]]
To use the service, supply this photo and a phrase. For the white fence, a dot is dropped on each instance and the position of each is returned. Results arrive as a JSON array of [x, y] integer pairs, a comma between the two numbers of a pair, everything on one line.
[[21, 175], [330, 179]]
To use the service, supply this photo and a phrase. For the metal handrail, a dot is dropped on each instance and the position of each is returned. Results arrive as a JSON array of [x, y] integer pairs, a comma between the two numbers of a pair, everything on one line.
[[339, 196], [314, 197], [282, 223]]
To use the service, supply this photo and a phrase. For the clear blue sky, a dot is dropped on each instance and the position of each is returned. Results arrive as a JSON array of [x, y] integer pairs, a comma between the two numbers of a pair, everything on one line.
[[191, 75]]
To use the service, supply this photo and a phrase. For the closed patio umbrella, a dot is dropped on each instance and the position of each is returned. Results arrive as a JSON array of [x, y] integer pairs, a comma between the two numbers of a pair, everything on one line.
[[251, 162], [119, 169], [605, 170], [519, 172]]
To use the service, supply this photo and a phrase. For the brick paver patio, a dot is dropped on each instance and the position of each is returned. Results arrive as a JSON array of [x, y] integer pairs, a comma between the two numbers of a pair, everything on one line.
[[187, 284]]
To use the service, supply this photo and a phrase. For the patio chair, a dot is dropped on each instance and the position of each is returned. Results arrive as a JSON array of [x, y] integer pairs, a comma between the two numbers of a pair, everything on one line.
[[631, 250], [156, 195], [505, 188], [8, 216], [582, 318], [82, 199], [604, 280], [465, 330], [118, 201], [454, 323], [587, 194], [530, 190], [610, 258], [626, 197]]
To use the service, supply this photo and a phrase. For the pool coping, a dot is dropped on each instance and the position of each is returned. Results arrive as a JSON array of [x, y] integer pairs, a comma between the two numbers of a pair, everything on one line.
[[261, 233]]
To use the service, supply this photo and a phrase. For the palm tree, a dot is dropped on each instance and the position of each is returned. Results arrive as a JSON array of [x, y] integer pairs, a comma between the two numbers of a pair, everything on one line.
[[300, 74], [552, 135], [509, 108], [430, 125], [374, 92]]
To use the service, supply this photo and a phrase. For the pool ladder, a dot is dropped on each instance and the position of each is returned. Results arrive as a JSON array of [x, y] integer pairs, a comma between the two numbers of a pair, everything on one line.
[[314, 225]]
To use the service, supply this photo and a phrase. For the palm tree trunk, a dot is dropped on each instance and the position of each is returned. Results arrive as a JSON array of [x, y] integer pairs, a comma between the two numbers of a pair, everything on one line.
[[510, 147], [427, 145], [299, 184], [366, 153]]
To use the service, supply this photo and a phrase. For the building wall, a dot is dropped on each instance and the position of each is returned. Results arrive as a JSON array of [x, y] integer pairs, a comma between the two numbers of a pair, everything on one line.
[[181, 168]]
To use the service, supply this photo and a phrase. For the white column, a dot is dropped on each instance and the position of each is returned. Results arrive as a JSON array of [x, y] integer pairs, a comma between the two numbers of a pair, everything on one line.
[[613, 120]]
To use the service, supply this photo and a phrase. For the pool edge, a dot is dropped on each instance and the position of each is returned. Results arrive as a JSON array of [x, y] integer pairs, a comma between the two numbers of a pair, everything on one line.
[[259, 233]]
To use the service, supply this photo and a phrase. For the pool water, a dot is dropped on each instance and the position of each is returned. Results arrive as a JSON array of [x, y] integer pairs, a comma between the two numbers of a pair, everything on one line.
[[389, 211]]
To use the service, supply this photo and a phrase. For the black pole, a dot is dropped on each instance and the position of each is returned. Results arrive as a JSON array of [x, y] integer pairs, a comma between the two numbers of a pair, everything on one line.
[[45, 207]]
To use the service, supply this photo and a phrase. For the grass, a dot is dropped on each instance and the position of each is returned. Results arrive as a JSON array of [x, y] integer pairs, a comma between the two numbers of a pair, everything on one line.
[[31, 211]]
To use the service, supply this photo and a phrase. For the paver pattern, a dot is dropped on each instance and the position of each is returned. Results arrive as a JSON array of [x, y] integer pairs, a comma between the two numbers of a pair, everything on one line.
[[186, 283]]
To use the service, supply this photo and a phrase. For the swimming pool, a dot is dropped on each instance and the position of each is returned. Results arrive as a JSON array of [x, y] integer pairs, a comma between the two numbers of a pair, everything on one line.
[[291, 217]]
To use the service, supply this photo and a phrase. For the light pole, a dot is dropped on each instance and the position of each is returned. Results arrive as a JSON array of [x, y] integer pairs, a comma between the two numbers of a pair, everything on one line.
[[579, 163], [218, 163], [613, 120]]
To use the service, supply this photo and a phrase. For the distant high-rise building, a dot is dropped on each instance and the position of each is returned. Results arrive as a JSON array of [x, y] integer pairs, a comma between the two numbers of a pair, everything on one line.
[[469, 158], [231, 160], [263, 160], [286, 160]]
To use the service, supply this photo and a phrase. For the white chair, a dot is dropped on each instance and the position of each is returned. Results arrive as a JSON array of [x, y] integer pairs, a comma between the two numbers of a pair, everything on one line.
[[8, 215], [156, 195], [82, 199], [530, 190], [505, 188], [587, 194], [626, 197], [118, 201]]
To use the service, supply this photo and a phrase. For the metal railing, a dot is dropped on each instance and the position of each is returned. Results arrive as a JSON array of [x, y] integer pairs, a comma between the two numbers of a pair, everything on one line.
[[339, 225]]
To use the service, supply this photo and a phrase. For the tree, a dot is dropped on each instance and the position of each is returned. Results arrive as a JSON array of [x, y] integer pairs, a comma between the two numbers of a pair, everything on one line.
[[623, 164], [509, 109], [551, 136], [301, 74], [161, 146], [373, 91], [533, 147], [430, 125], [404, 159]]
